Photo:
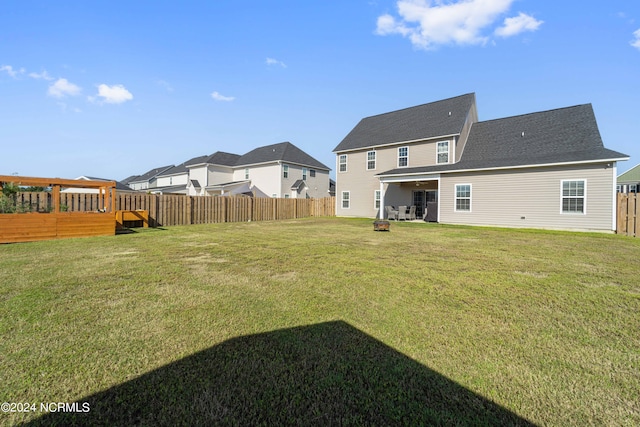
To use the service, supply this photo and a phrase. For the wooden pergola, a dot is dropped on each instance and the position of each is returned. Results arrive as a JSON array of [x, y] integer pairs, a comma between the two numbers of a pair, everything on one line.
[[31, 226]]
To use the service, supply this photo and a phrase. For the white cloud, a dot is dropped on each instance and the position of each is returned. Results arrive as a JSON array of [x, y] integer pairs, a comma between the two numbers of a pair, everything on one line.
[[165, 85], [517, 25], [62, 88], [41, 76], [636, 41], [9, 70], [116, 94], [271, 61], [218, 97], [429, 23]]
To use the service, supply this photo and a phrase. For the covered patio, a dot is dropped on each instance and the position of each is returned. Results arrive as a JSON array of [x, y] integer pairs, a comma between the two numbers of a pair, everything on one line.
[[409, 197]]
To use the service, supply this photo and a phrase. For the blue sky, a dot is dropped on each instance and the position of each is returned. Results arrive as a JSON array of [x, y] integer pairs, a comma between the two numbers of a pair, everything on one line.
[[115, 88]]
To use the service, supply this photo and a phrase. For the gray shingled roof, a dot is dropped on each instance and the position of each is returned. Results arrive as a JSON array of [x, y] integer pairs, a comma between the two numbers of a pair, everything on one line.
[[150, 174], [284, 151], [556, 136], [217, 158], [445, 117]]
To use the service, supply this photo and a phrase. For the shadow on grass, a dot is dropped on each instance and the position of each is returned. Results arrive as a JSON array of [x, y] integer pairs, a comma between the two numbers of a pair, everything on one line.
[[324, 374]]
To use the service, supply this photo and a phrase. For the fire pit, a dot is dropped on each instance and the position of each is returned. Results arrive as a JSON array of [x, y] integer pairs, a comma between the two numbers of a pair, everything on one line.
[[380, 225]]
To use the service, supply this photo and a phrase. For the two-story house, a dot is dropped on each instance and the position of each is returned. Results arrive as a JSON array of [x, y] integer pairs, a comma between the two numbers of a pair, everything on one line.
[[283, 170], [147, 180], [277, 170], [546, 170]]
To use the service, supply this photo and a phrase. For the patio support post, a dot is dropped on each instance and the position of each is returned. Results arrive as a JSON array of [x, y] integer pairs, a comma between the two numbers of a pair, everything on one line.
[[381, 200]]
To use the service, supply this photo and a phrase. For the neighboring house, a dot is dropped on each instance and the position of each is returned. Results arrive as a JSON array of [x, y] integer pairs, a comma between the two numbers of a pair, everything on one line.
[[283, 170], [147, 180], [546, 170], [629, 182], [120, 186], [277, 170], [209, 170]]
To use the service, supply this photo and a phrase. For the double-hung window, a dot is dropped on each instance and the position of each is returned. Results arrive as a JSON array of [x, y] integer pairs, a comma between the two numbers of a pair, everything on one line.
[[463, 198], [574, 194], [285, 171], [345, 200], [371, 160], [246, 173], [376, 199], [443, 152], [304, 174], [403, 157], [342, 163]]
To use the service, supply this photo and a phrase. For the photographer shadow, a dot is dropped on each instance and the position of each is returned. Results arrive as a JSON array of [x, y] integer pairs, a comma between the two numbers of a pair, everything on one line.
[[323, 374]]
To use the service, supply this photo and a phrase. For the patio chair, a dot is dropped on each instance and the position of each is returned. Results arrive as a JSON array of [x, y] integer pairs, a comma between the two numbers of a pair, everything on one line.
[[412, 213], [402, 213], [391, 213]]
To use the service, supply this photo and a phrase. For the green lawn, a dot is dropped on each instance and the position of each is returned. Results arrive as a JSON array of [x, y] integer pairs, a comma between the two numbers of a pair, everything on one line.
[[323, 321]]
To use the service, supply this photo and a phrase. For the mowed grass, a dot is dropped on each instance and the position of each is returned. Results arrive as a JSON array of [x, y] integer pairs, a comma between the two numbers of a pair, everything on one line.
[[324, 321]]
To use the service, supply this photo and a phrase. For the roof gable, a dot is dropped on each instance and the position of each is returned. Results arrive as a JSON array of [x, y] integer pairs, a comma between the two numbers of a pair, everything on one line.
[[440, 118], [554, 136], [284, 152], [632, 175]]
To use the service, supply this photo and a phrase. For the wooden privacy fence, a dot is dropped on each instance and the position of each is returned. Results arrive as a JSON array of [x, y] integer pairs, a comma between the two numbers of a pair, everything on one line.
[[628, 214], [166, 210]]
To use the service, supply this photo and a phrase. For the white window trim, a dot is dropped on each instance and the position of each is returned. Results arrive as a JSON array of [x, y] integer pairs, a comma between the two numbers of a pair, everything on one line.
[[285, 171], [377, 197], [346, 161], [375, 160], [584, 197], [399, 148], [246, 173], [348, 193], [304, 173], [448, 153], [455, 198]]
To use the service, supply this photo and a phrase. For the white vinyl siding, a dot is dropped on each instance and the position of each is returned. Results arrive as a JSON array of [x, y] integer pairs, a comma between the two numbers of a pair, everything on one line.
[[574, 196]]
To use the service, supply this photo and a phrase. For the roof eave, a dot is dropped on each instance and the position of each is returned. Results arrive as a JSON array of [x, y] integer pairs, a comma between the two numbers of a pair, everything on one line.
[[525, 166]]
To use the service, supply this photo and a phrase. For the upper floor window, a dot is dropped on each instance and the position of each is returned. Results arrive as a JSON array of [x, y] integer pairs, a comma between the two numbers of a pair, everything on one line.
[[403, 157], [246, 173], [312, 173], [443, 152], [371, 160], [342, 163], [463, 198], [285, 171], [574, 196], [304, 173]]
